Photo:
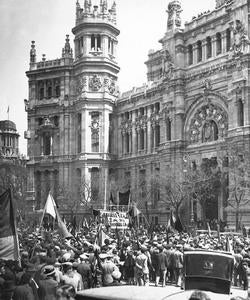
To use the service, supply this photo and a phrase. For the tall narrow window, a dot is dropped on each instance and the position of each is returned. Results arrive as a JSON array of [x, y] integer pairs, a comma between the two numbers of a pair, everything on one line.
[[95, 181], [228, 38], [93, 44], [199, 51], [190, 54], [49, 92], [58, 92], [46, 144], [79, 133], [157, 135], [218, 44], [240, 112], [209, 47], [95, 143], [168, 129], [41, 93], [142, 139], [96, 42], [110, 133], [111, 46], [127, 143]]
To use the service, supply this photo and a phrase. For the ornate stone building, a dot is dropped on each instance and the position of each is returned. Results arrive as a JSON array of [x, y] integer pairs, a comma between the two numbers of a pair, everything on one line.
[[194, 105]]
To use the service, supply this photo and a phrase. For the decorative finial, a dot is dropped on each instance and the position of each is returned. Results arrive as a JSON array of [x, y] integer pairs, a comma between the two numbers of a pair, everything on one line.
[[67, 51], [86, 6], [43, 57], [113, 11], [174, 19], [33, 52]]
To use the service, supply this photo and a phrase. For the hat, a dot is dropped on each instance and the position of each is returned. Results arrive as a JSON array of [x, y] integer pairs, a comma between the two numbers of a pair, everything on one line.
[[48, 270], [83, 256], [103, 255]]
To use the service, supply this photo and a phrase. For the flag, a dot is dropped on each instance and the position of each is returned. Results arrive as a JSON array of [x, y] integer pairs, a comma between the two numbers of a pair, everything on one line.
[[124, 198], [101, 237], [229, 247], [8, 109], [112, 200], [62, 228], [134, 211], [208, 229], [50, 206], [9, 248], [174, 223]]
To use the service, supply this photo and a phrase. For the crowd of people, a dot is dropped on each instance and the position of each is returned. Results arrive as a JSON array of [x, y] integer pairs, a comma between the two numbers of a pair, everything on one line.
[[53, 267]]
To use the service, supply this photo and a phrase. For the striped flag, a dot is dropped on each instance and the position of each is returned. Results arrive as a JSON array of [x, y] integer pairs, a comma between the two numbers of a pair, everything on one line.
[[9, 248]]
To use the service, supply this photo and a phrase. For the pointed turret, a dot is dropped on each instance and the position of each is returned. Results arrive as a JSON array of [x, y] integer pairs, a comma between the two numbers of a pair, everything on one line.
[[174, 19], [33, 53], [86, 6], [113, 12], [67, 50]]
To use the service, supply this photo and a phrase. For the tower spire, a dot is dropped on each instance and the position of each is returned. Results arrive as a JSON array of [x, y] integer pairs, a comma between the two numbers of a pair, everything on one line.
[[113, 11]]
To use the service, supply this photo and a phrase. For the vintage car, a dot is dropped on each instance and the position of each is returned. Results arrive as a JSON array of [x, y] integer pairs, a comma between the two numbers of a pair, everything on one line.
[[207, 275]]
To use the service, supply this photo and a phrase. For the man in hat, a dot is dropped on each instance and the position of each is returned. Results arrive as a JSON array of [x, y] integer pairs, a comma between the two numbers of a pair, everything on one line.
[[141, 267], [178, 264], [48, 285], [70, 277], [84, 269], [161, 266]]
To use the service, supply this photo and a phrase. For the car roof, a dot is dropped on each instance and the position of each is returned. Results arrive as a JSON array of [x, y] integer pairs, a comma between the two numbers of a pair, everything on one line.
[[149, 293], [126, 292]]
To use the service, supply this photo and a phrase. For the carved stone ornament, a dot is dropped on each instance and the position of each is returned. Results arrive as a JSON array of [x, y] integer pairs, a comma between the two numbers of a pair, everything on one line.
[[47, 123], [174, 11], [209, 123], [95, 83], [112, 87], [154, 119], [207, 85], [81, 85], [241, 41], [141, 122], [220, 3], [167, 65], [126, 126], [95, 125]]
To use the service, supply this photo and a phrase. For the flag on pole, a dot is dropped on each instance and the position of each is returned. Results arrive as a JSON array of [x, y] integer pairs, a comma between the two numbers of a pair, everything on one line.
[[62, 226], [50, 206], [8, 109], [9, 248], [208, 229]]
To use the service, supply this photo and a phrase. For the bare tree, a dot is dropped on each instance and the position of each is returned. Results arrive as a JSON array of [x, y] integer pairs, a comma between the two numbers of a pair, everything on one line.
[[239, 188]]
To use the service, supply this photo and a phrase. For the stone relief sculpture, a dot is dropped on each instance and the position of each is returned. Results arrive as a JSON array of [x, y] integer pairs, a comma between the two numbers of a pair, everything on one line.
[[174, 11], [167, 65], [241, 42], [209, 123], [81, 85], [95, 83]]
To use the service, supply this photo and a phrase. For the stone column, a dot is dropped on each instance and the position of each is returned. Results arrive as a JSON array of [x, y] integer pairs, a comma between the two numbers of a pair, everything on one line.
[[224, 42], [145, 138], [213, 40], [195, 53], [41, 144], [130, 142], [204, 50], [105, 46], [66, 134], [51, 144], [149, 129]]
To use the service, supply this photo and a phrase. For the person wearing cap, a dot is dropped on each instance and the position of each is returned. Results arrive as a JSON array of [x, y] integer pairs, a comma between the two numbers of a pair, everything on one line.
[[161, 266], [48, 285], [71, 276], [84, 269], [58, 272], [244, 275], [178, 264], [107, 267], [24, 291], [141, 267]]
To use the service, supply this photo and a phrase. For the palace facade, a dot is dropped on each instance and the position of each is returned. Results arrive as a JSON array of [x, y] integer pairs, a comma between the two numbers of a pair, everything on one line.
[[87, 141]]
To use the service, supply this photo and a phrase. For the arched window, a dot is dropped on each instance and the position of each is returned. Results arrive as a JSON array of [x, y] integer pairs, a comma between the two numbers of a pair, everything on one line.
[[199, 51], [228, 38], [210, 132], [190, 54], [168, 129], [240, 112], [95, 182], [46, 143], [209, 47], [218, 43], [95, 141]]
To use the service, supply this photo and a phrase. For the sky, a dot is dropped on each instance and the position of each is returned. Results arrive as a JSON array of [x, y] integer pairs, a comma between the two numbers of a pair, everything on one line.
[[141, 22]]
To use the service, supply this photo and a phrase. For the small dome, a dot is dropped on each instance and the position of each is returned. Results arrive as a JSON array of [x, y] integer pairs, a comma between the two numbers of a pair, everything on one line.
[[7, 125]]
